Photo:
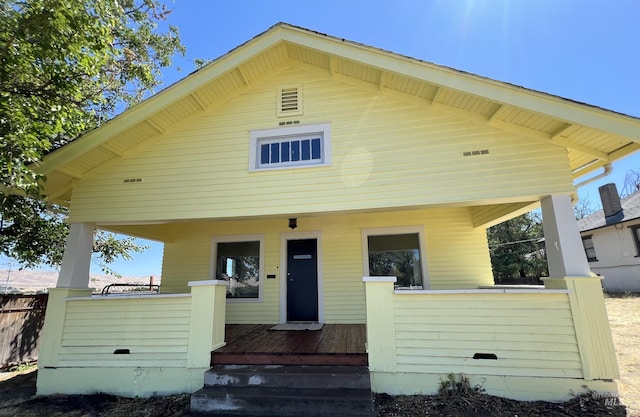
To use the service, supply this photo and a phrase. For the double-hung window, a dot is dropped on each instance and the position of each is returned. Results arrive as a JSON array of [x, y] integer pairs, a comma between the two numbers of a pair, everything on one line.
[[290, 147]]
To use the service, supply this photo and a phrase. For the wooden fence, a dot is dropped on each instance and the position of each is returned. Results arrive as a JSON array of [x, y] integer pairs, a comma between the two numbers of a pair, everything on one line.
[[21, 320]]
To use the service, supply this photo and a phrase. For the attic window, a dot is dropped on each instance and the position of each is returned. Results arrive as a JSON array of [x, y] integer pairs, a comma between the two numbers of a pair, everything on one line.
[[297, 146], [290, 101]]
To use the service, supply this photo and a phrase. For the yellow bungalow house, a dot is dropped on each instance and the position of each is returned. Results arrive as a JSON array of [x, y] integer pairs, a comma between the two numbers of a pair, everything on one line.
[[303, 178]]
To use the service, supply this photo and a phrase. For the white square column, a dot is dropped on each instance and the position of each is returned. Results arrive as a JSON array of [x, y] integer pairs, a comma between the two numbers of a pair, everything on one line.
[[565, 253], [76, 262]]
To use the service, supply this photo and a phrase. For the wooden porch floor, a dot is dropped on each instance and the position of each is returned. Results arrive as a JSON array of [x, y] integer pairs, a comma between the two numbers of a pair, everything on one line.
[[255, 344]]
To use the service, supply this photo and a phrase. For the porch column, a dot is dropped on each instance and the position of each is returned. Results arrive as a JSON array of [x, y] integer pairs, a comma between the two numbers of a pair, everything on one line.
[[208, 317], [569, 269], [565, 253], [381, 325], [76, 262]]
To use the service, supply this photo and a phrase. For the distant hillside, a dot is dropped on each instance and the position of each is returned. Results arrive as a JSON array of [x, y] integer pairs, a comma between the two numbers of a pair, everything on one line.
[[16, 281]]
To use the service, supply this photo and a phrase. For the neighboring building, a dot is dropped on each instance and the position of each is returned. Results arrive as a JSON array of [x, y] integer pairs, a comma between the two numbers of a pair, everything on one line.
[[611, 239], [306, 178]]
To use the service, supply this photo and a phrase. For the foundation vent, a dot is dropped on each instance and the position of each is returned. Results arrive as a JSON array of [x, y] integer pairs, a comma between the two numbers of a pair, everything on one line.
[[290, 101], [474, 153], [490, 356], [131, 180]]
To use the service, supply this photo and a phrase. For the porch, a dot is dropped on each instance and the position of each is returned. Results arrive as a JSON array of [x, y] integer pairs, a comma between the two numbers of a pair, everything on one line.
[[256, 344]]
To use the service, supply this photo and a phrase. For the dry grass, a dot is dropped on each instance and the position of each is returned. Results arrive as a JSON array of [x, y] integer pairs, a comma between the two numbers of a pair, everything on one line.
[[624, 317]]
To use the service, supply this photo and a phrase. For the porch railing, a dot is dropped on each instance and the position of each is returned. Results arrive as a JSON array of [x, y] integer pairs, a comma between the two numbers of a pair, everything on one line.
[[501, 332], [135, 330]]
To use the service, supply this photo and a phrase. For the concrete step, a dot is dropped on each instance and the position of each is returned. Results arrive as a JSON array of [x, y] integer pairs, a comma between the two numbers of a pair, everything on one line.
[[283, 402], [281, 376]]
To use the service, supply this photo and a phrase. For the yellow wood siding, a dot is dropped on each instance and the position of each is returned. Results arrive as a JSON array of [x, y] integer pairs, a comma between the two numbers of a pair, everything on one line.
[[387, 152], [456, 257], [155, 330], [591, 325], [531, 334]]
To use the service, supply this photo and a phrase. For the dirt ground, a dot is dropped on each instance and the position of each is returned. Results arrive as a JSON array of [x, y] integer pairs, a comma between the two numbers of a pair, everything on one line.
[[17, 391], [624, 318]]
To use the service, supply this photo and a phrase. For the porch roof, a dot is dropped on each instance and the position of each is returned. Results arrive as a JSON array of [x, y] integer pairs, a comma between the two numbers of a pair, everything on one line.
[[592, 136]]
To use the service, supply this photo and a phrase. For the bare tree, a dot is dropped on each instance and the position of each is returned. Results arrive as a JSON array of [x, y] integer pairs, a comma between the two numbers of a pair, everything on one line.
[[631, 183], [583, 208]]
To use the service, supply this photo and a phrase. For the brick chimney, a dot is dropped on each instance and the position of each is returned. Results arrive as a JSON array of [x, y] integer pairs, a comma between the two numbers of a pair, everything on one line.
[[611, 203]]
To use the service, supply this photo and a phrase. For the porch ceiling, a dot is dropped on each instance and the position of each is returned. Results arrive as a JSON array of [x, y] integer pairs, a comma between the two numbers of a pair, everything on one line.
[[592, 136]]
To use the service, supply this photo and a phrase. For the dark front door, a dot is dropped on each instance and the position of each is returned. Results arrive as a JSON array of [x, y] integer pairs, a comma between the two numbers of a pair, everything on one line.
[[302, 280]]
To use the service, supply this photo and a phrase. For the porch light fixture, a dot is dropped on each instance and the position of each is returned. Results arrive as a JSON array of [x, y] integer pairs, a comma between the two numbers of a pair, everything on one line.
[[293, 223]]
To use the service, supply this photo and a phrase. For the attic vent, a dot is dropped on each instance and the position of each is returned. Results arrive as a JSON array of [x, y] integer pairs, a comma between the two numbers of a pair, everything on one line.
[[290, 122], [474, 153], [290, 101], [130, 180]]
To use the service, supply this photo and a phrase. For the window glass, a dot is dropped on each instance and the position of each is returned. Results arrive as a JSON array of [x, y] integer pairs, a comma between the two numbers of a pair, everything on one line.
[[290, 147], [315, 149], [306, 150], [239, 264], [264, 154], [275, 153], [396, 255], [286, 153], [289, 151], [295, 150]]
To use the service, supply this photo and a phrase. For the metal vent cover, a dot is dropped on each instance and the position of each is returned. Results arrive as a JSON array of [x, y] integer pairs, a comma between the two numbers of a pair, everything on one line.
[[477, 152], [289, 122]]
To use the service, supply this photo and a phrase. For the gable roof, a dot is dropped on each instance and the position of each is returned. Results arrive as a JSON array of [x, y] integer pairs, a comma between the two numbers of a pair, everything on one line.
[[592, 136], [630, 211]]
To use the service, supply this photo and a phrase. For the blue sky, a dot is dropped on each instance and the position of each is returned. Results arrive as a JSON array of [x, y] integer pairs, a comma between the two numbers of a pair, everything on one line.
[[584, 50]]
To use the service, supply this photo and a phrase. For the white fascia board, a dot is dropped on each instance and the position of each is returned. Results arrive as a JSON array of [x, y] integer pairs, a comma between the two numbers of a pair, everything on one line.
[[557, 107]]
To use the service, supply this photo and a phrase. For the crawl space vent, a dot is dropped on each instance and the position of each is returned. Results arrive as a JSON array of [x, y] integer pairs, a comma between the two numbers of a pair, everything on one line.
[[290, 101], [474, 153], [130, 180]]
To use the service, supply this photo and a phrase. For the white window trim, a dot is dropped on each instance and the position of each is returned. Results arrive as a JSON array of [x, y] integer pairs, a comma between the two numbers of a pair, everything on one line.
[[399, 230], [239, 238], [284, 237], [257, 136]]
